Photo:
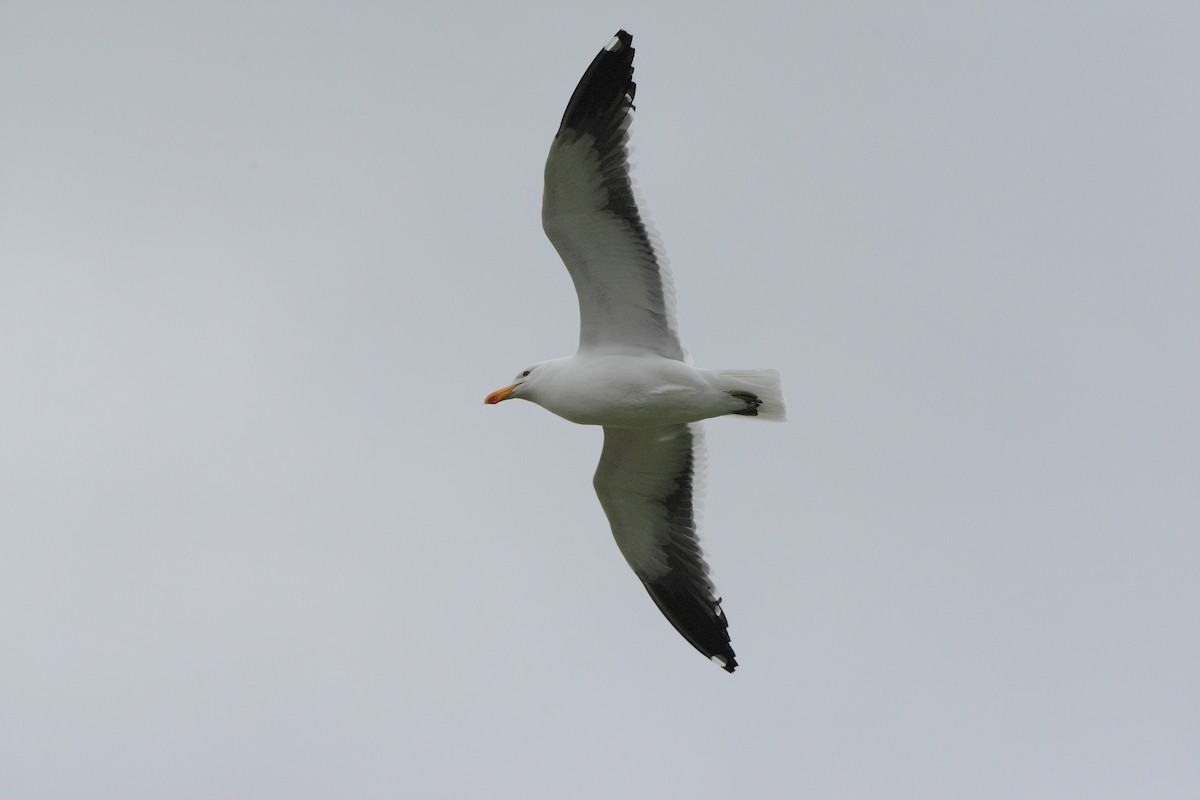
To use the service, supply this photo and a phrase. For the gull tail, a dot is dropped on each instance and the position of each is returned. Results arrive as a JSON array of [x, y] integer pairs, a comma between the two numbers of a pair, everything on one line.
[[759, 389]]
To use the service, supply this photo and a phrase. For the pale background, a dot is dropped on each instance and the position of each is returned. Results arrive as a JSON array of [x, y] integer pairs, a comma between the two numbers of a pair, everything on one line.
[[260, 263]]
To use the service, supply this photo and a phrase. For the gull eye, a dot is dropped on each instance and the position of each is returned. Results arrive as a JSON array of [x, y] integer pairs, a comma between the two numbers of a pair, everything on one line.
[[525, 374]]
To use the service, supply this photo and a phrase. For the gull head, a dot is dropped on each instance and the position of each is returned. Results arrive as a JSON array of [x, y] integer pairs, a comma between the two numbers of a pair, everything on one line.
[[515, 389]]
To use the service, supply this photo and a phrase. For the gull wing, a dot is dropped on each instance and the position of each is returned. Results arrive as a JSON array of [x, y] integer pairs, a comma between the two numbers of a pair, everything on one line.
[[648, 481], [595, 221]]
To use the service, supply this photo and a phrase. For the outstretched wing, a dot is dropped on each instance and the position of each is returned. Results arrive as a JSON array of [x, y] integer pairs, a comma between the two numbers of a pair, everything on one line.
[[648, 480], [596, 223]]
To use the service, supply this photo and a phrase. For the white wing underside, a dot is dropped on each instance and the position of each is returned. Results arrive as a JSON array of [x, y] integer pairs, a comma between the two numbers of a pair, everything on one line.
[[649, 482], [598, 224]]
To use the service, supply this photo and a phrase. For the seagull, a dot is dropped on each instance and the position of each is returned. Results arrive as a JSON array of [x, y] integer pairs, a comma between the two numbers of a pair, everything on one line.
[[631, 373]]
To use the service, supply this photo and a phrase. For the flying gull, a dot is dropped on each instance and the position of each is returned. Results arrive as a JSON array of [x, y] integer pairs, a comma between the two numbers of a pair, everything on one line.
[[631, 373]]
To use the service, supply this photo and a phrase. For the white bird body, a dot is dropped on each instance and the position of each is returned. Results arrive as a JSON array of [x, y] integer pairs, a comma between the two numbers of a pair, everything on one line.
[[636, 391], [631, 373]]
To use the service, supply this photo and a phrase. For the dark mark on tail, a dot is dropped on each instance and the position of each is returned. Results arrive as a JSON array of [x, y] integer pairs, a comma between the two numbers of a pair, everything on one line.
[[752, 403]]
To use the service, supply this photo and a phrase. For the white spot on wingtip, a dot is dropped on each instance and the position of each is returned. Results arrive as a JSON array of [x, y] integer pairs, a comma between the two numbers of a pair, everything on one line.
[[720, 661], [613, 44]]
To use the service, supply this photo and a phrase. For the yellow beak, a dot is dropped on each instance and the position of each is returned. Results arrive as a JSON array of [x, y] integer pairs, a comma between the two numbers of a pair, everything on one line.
[[500, 394]]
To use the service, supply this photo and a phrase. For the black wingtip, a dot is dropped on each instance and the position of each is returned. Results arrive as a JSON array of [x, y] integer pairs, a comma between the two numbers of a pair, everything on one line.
[[606, 87], [700, 620]]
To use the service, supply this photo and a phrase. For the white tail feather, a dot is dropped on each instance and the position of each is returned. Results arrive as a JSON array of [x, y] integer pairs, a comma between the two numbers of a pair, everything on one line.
[[762, 382]]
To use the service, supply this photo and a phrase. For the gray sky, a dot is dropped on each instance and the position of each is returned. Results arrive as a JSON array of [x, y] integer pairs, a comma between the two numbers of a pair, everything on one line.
[[259, 264]]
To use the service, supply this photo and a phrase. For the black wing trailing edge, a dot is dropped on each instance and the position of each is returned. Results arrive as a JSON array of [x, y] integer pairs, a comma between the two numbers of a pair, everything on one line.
[[684, 593]]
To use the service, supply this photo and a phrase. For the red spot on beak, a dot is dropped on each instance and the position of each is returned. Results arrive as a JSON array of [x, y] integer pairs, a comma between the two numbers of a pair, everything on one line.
[[500, 394]]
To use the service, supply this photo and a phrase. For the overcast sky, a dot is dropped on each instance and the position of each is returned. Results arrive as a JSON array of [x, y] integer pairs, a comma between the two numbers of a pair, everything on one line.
[[260, 263]]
